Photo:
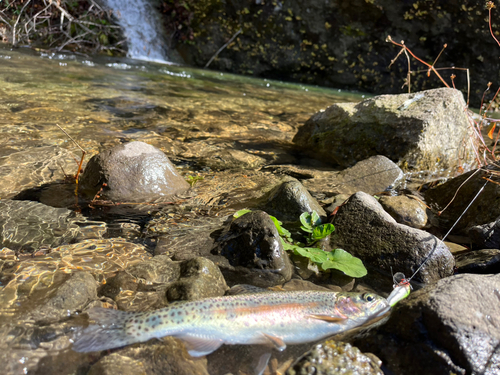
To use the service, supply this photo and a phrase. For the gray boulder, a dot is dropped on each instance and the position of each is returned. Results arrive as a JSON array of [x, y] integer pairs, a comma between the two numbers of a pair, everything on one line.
[[133, 172], [409, 129], [289, 200], [365, 230], [249, 251], [448, 327]]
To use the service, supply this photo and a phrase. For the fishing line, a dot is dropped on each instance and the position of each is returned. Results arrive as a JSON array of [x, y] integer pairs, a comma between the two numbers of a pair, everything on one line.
[[402, 286], [449, 231]]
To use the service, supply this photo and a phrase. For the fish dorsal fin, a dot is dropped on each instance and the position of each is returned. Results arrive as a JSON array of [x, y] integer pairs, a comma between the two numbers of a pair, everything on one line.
[[245, 289], [329, 318], [199, 346], [277, 342]]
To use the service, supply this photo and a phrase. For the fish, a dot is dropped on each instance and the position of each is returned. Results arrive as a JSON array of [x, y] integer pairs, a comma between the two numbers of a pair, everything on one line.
[[271, 318]]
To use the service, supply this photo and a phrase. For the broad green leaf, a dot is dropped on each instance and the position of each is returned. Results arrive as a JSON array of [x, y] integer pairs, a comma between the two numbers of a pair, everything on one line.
[[313, 253], [315, 219], [305, 220], [345, 262], [241, 213], [321, 231], [282, 231]]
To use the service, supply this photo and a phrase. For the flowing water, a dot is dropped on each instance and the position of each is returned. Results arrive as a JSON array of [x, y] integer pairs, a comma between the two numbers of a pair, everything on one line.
[[196, 117]]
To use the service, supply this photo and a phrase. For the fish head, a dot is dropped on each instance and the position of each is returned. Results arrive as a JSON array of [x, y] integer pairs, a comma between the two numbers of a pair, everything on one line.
[[361, 306]]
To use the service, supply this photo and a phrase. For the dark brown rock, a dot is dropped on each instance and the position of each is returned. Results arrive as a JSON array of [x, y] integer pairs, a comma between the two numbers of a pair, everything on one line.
[[252, 252]]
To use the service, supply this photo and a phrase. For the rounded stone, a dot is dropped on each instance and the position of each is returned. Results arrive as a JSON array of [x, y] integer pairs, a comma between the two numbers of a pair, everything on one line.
[[133, 172]]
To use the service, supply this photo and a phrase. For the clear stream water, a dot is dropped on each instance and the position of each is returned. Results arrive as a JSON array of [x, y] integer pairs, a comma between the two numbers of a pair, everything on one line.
[[188, 113]]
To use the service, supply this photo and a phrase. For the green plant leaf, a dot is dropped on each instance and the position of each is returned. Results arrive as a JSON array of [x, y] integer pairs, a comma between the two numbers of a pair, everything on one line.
[[345, 262], [241, 213], [315, 219], [321, 231], [282, 231], [305, 220]]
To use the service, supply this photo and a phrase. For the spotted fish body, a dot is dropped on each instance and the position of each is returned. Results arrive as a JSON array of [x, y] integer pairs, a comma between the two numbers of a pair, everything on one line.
[[276, 318]]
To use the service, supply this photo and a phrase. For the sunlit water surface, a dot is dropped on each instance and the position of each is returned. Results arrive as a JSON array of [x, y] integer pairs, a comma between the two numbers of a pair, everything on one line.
[[190, 114]]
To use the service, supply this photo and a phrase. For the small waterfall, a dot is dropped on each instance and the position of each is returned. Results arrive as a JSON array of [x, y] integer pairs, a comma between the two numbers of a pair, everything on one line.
[[142, 26]]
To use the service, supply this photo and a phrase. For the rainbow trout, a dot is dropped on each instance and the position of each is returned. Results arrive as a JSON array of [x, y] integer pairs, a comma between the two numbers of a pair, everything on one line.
[[276, 318]]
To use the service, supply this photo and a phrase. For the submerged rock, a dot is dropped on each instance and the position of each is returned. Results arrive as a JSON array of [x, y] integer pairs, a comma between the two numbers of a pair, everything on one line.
[[365, 230], [336, 358], [64, 298], [133, 172], [26, 225], [409, 129], [448, 327], [166, 357], [117, 364], [34, 167], [200, 278], [288, 201], [252, 246]]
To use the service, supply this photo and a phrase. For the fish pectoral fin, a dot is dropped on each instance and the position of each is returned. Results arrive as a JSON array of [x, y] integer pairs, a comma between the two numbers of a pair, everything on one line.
[[328, 318], [277, 342], [200, 346]]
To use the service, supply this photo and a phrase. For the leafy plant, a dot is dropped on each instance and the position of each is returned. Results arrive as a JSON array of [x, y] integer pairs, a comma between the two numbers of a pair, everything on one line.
[[311, 224], [194, 179]]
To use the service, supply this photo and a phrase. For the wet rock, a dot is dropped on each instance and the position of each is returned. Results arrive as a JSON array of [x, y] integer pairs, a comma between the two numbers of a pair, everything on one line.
[[117, 364], [409, 129], [486, 236], [158, 270], [200, 278], [485, 209], [288, 201], [365, 230], [133, 172], [332, 358], [479, 261], [373, 176], [118, 283], [26, 225], [447, 327], [253, 252], [72, 294], [41, 275], [232, 159], [405, 210], [34, 167], [168, 357], [184, 235]]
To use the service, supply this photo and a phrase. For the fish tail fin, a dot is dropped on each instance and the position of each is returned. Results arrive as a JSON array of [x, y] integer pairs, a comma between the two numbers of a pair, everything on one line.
[[110, 331]]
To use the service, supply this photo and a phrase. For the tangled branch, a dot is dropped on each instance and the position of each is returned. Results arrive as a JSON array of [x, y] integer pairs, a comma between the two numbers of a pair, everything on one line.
[[61, 24]]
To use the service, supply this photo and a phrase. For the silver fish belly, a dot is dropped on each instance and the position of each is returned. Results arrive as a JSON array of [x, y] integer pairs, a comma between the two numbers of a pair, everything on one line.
[[276, 318]]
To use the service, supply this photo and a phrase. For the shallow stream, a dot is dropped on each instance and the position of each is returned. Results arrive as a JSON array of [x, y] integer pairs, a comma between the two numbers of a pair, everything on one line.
[[207, 122]]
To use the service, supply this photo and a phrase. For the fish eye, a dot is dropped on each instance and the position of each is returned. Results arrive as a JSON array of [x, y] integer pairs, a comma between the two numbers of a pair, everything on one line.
[[368, 297]]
